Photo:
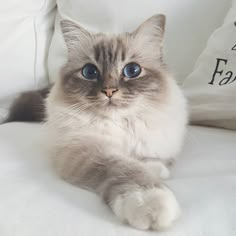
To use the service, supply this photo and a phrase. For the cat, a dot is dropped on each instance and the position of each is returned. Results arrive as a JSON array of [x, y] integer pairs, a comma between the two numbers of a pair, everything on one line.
[[117, 118]]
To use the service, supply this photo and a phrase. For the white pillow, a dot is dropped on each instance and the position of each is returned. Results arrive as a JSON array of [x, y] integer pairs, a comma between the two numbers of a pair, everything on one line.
[[25, 33], [211, 87], [184, 26]]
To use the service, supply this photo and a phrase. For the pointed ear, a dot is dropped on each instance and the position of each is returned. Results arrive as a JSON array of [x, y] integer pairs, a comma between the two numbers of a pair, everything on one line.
[[153, 27], [74, 35]]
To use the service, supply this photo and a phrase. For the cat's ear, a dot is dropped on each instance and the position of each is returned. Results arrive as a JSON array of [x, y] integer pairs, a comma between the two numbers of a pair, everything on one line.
[[74, 35], [152, 28]]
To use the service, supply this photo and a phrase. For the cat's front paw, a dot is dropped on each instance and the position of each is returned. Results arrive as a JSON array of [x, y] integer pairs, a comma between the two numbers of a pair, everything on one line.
[[154, 208]]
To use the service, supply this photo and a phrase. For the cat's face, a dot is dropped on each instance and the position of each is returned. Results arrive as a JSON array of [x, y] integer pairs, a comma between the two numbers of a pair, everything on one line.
[[113, 72]]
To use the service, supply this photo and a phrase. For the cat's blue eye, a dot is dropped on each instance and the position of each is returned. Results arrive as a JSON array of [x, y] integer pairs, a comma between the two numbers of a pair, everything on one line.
[[90, 72], [132, 70]]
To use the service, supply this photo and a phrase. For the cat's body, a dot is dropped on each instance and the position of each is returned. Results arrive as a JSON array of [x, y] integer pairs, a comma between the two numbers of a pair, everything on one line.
[[116, 118]]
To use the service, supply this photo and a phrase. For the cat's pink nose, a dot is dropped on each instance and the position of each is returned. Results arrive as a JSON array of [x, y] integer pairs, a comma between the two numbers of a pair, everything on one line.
[[109, 92]]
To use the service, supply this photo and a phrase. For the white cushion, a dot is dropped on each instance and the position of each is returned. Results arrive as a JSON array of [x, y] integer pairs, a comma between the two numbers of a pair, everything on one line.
[[211, 87], [189, 24], [25, 33], [36, 202]]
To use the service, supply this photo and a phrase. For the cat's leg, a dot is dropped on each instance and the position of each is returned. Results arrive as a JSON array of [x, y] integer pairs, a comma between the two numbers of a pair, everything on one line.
[[126, 185], [158, 168]]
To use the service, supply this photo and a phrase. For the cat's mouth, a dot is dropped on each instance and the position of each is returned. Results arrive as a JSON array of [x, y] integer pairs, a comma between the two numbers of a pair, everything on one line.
[[116, 103], [111, 102]]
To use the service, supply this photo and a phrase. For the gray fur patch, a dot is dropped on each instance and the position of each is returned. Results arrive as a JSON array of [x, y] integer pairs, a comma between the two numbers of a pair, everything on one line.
[[29, 106]]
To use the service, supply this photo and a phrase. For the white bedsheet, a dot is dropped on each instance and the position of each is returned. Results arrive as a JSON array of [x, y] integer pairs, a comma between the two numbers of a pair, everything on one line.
[[35, 202]]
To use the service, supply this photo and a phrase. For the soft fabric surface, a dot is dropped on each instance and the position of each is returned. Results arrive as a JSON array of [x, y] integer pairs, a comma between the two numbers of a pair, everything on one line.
[[26, 31], [36, 202], [211, 87]]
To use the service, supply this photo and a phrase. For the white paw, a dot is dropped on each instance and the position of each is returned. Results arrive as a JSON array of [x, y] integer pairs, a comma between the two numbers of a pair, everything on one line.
[[154, 208], [158, 169]]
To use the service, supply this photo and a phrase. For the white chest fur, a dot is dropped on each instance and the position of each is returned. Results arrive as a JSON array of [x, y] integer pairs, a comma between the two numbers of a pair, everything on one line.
[[153, 135]]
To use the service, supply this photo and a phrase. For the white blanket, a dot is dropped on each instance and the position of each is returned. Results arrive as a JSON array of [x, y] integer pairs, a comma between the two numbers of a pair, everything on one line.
[[35, 202]]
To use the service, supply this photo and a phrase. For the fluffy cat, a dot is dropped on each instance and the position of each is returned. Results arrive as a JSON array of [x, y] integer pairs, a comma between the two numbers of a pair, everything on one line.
[[117, 118]]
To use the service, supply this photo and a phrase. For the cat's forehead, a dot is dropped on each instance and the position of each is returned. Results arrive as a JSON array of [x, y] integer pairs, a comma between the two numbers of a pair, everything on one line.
[[109, 50]]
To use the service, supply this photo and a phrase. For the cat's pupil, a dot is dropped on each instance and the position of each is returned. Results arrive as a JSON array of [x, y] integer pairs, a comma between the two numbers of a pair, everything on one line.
[[90, 71], [132, 70]]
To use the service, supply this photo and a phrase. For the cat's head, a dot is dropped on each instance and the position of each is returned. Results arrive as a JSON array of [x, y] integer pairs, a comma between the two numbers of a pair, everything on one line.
[[107, 72]]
